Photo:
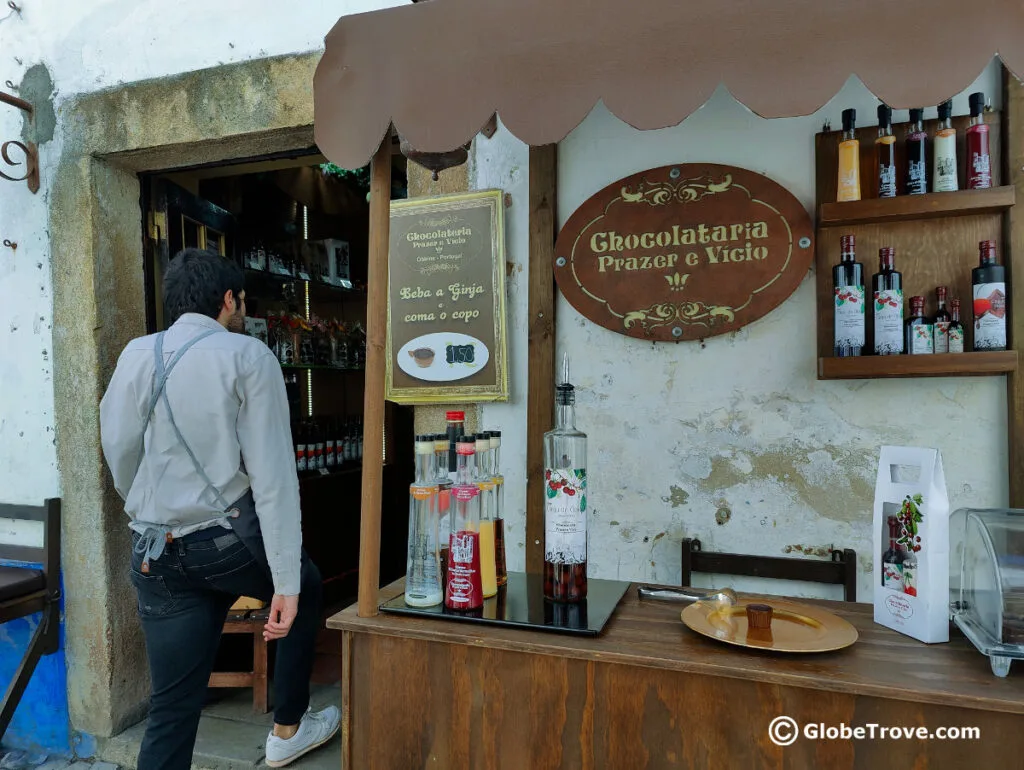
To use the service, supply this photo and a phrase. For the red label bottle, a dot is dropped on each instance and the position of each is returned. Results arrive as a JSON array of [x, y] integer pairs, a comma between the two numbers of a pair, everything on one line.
[[464, 590], [979, 164]]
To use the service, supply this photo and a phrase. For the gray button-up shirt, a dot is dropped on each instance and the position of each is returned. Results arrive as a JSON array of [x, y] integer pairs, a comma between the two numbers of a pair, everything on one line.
[[229, 402]]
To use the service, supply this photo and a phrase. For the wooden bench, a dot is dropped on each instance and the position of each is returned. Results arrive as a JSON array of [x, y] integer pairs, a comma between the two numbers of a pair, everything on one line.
[[248, 621], [26, 590]]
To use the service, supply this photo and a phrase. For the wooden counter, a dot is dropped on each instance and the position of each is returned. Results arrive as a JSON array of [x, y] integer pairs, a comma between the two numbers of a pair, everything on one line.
[[649, 693]]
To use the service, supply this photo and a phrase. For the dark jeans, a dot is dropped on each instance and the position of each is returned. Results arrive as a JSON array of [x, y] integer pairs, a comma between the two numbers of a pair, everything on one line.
[[183, 603]]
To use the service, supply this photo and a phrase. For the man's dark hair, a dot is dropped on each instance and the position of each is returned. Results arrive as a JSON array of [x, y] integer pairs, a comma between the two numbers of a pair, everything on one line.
[[195, 282]]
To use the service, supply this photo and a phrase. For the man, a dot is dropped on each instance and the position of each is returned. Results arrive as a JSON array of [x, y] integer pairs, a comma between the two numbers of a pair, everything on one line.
[[196, 431]]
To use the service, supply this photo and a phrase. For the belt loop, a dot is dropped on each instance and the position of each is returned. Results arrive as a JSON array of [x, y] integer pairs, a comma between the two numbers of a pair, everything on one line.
[[181, 545]]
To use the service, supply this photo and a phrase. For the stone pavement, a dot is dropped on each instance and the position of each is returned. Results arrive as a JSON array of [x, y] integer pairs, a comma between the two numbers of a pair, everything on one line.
[[231, 737]]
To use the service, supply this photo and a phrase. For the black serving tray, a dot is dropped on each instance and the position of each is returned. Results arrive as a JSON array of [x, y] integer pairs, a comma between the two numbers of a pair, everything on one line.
[[521, 604]]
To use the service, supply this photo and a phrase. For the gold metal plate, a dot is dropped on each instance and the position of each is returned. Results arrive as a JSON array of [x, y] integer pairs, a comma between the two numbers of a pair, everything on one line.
[[795, 627]]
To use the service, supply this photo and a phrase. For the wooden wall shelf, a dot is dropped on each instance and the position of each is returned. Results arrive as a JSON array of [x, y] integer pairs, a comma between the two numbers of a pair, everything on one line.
[[916, 207], [939, 365]]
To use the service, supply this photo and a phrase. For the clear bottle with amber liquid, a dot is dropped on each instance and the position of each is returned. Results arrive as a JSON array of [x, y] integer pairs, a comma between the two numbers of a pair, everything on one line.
[[848, 188], [565, 500], [500, 564], [885, 152]]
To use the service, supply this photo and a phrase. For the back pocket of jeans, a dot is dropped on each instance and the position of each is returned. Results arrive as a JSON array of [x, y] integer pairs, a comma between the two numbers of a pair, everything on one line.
[[154, 597]]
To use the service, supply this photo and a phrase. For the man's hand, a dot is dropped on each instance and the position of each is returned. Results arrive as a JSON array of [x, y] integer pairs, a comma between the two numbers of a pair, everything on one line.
[[283, 610]]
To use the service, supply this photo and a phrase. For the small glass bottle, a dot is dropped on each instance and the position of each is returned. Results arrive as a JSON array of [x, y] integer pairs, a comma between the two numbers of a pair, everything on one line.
[[979, 164], [463, 590], [944, 152], [423, 568], [848, 188], [565, 500], [941, 321], [485, 482], [444, 497], [848, 289], [892, 559], [887, 289], [919, 333], [885, 152], [956, 329], [500, 564], [456, 426], [989, 284], [917, 166]]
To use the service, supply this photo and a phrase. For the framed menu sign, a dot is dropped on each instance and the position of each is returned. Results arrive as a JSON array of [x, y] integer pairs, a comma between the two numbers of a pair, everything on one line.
[[446, 300]]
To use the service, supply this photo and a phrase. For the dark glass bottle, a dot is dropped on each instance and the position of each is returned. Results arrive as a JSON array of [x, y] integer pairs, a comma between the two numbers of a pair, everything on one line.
[[918, 329], [956, 329], [979, 164], [892, 559], [885, 152], [940, 323], [989, 283], [917, 162], [887, 292], [848, 290]]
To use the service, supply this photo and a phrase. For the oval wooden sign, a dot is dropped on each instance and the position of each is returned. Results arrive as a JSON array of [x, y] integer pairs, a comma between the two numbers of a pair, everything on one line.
[[684, 252]]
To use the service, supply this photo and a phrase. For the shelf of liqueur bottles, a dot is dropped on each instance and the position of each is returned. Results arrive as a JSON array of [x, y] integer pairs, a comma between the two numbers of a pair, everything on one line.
[[316, 286], [926, 365], [916, 207], [324, 367]]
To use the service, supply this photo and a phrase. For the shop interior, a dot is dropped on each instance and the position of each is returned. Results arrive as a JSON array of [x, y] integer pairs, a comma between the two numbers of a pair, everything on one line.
[[298, 227]]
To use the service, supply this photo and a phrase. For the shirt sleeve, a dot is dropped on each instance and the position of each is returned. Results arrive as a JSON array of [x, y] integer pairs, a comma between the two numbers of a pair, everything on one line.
[[264, 434], [121, 429]]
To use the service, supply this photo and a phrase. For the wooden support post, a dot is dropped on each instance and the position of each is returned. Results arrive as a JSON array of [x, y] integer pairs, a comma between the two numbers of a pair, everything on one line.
[[1013, 258], [373, 401], [540, 398]]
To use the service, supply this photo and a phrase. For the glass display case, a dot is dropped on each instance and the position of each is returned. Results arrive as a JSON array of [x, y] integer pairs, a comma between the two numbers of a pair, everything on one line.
[[986, 582]]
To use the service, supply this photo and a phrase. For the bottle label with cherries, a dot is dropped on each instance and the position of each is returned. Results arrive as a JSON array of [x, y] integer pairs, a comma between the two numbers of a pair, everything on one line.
[[941, 337], [889, 321], [565, 515], [892, 574], [849, 316], [989, 316], [956, 339], [921, 339]]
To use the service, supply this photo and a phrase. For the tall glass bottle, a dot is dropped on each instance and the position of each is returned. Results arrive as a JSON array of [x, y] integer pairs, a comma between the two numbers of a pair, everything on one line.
[[423, 568], [500, 565], [979, 164], [887, 288], [989, 284], [444, 498], [456, 426], [849, 160], [848, 288], [485, 481], [941, 322], [885, 153], [565, 500], [944, 152], [917, 165], [956, 328], [464, 590]]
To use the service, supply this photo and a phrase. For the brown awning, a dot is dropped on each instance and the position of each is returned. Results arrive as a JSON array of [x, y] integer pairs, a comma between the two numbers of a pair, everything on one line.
[[438, 70]]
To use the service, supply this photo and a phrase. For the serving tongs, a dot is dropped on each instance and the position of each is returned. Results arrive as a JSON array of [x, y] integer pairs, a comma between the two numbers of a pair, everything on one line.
[[714, 598]]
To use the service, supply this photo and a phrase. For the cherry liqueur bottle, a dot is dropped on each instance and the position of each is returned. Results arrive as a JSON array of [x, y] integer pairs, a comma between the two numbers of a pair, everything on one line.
[[887, 289], [885, 152], [565, 500], [944, 152], [919, 335], [849, 160], [917, 165], [979, 164], [941, 322], [464, 590], [848, 290], [956, 329], [989, 282]]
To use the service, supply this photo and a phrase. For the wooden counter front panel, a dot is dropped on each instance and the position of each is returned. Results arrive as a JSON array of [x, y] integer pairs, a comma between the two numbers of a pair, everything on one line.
[[419, 704]]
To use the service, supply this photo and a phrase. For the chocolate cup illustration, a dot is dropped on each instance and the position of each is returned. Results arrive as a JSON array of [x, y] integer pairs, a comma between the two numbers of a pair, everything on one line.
[[423, 357]]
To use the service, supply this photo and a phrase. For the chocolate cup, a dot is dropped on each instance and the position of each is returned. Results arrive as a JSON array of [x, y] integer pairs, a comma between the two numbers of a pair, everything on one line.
[[759, 616], [423, 357]]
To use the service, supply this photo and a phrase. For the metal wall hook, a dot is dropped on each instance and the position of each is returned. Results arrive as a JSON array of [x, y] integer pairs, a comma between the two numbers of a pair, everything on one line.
[[12, 245]]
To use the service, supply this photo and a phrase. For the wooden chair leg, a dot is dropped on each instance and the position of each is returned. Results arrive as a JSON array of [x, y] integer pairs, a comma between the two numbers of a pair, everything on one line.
[[260, 680]]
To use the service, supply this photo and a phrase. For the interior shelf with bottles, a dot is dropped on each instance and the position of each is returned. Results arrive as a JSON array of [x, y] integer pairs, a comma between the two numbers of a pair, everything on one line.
[[935, 238]]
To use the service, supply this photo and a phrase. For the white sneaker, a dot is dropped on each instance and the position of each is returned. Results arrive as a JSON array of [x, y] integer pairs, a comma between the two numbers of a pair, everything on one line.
[[315, 729]]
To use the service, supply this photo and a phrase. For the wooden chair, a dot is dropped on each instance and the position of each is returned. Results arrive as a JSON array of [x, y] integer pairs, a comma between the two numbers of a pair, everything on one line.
[[26, 590], [841, 570], [248, 621]]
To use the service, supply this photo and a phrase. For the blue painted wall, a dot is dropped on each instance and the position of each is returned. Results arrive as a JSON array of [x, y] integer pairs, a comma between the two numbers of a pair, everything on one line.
[[41, 722]]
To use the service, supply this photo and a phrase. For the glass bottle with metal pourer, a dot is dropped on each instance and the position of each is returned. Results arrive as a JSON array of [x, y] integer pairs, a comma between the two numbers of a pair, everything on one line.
[[565, 500], [423, 567]]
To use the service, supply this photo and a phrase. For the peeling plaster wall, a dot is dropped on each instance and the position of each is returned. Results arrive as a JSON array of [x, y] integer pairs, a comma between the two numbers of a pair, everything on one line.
[[733, 442]]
